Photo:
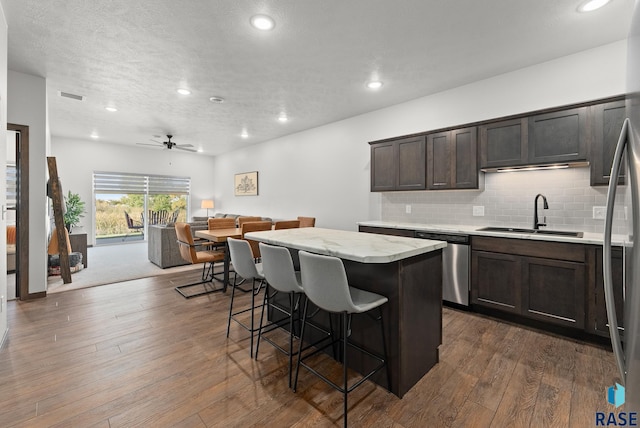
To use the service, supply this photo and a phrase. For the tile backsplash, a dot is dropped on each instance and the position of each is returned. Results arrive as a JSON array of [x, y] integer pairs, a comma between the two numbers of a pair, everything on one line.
[[508, 200]]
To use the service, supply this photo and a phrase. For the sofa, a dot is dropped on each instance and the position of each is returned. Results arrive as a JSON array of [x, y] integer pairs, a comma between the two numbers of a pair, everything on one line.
[[163, 250]]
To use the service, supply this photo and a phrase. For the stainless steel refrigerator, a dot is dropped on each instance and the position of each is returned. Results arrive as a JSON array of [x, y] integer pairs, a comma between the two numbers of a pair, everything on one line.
[[627, 354]]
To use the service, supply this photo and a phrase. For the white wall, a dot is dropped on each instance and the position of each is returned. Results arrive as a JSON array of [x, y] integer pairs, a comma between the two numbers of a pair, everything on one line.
[[3, 187], [27, 105], [78, 159], [325, 172]]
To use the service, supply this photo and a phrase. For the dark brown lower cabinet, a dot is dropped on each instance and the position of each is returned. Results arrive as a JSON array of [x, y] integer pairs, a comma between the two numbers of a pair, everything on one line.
[[553, 291], [597, 320], [496, 281], [513, 276]]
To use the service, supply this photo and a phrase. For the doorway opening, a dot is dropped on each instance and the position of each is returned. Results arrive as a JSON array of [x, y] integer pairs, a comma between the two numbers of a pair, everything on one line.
[[18, 204]]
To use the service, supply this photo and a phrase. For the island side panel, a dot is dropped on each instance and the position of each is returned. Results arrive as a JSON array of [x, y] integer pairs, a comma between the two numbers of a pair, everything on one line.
[[420, 316], [413, 317]]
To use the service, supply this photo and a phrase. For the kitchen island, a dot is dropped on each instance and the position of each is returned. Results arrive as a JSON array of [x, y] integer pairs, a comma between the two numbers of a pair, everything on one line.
[[407, 271]]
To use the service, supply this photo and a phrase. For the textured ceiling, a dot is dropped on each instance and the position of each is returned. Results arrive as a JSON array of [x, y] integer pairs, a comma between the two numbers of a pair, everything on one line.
[[313, 65]]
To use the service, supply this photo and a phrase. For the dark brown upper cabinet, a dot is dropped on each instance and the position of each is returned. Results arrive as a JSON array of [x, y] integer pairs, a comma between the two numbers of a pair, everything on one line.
[[398, 164], [561, 136], [504, 143], [607, 124], [452, 159]]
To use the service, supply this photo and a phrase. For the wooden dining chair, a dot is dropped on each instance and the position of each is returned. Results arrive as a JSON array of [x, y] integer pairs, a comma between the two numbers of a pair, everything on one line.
[[307, 221], [286, 224], [190, 253], [245, 219], [221, 223], [254, 226]]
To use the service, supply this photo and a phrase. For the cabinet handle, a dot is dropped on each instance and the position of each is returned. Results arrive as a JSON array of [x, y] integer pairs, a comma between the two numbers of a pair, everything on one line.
[[606, 250]]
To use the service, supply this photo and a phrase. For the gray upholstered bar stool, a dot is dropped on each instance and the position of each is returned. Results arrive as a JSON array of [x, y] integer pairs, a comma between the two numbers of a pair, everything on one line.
[[283, 278], [325, 284], [244, 265]]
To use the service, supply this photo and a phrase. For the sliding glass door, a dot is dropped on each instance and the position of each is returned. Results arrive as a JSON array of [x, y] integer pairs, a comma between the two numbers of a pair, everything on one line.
[[127, 204]]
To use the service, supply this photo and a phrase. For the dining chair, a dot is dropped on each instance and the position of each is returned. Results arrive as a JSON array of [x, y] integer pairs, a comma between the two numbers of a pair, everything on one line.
[[221, 223], [325, 284], [307, 221], [254, 226], [244, 219], [286, 224], [190, 252], [244, 265]]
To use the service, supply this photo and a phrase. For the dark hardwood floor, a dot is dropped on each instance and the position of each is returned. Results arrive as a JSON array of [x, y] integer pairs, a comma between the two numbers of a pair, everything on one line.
[[138, 354]]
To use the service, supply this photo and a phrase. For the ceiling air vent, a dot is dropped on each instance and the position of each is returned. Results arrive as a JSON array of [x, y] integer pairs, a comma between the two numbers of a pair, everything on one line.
[[72, 96]]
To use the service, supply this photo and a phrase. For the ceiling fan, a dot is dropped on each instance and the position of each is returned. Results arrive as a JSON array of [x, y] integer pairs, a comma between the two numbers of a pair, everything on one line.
[[170, 144]]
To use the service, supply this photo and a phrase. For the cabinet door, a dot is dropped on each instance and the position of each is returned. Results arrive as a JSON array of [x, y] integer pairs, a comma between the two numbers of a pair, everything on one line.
[[607, 124], [553, 291], [383, 167], [560, 136], [600, 324], [465, 158], [440, 159], [504, 143], [411, 163], [496, 281]]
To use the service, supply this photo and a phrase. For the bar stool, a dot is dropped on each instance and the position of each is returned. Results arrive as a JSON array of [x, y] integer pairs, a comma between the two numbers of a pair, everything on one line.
[[325, 284], [282, 277], [243, 264]]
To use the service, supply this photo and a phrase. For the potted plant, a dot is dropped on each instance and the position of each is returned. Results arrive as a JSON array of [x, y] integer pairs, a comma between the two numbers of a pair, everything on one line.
[[74, 210]]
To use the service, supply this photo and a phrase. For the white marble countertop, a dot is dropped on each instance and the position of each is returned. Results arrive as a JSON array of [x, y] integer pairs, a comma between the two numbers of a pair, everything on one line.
[[349, 245], [588, 237]]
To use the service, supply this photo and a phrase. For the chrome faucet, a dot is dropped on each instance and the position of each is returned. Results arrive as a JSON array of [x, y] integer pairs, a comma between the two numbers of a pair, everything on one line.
[[536, 223]]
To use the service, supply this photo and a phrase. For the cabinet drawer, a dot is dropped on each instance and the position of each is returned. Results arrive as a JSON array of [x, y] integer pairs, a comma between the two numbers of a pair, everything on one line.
[[531, 248]]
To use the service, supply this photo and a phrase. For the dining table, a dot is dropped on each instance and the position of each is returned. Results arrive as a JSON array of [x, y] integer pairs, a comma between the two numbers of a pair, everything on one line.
[[220, 236]]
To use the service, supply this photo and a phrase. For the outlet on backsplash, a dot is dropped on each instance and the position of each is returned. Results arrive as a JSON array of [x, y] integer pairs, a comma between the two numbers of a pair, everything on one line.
[[407, 209], [478, 211], [599, 213]]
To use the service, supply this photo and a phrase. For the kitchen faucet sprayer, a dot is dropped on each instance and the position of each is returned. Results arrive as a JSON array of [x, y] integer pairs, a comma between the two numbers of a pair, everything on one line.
[[536, 223]]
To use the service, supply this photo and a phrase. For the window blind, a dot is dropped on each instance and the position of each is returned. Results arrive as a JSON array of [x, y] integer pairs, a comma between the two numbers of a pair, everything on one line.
[[12, 186], [123, 183]]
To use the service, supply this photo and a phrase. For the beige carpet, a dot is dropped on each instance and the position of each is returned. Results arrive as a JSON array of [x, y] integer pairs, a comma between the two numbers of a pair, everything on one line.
[[113, 263]]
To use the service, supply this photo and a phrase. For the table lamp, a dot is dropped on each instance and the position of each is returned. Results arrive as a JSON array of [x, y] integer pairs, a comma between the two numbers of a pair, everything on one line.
[[207, 203]]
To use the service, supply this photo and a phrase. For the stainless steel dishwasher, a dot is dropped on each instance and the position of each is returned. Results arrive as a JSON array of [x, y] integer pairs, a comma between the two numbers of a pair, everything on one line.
[[455, 265]]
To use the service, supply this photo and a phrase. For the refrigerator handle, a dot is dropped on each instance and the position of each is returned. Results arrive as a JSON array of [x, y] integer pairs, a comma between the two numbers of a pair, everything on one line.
[[606, 252]]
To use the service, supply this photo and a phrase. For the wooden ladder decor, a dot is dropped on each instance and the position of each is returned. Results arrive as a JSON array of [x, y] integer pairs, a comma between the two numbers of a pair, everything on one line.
[[58, 201]]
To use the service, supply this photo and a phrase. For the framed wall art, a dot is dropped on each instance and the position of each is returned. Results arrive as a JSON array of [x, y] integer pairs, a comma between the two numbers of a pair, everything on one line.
[[246, 184]]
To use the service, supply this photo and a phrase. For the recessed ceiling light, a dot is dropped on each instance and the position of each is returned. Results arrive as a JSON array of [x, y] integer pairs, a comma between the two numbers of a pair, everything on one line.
[[283, 117], [200, 151], [216, 100], [183, 91], [263, 22], [111, 109], [374, 84], [94, 135], [592, 5], [244, 134]]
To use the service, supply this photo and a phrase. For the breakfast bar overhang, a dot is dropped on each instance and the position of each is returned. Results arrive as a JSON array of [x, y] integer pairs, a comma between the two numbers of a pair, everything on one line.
[[407, 271]]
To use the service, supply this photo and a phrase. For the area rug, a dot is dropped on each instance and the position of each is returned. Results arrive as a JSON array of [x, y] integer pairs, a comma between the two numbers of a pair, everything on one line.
[[113, 263]]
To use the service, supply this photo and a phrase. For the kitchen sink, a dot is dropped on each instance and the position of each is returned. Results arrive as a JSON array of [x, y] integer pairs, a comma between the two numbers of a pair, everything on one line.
[[533, 231]]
